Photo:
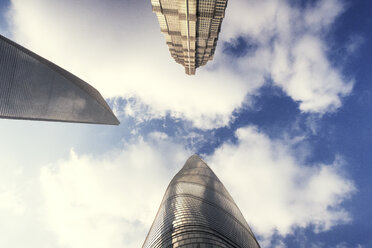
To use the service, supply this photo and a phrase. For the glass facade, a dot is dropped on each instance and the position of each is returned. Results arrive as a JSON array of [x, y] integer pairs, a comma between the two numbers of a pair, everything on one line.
[[197, 211], [191, 29], [33, 88]]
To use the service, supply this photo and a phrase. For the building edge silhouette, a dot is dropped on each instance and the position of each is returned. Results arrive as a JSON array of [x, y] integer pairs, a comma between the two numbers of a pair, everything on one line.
[[33, 88]]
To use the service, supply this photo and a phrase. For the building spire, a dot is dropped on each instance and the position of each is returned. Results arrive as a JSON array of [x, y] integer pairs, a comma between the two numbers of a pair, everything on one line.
[[191, 29]]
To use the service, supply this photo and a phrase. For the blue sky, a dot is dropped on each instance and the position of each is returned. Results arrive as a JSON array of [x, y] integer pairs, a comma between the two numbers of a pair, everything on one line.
[[282, 115]]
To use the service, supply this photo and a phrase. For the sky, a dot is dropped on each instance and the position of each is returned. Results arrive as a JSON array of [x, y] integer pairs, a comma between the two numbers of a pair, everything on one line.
[[282, 115]]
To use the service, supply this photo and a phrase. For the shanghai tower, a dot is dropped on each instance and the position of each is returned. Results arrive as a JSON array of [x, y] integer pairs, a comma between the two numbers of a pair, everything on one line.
[[191, 29], [197, 211]]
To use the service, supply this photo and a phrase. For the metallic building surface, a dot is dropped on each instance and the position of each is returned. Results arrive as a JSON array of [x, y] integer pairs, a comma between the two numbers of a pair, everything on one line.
[[191, 29], [197, 211], [33, 88]]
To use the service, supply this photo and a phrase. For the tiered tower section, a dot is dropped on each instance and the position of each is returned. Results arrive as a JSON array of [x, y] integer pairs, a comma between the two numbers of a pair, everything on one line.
[[197, 211], [191, 29]]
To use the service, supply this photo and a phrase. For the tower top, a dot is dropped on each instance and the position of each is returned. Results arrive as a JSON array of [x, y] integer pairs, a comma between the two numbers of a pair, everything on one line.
[[34, 88], [197, 211], [191, 29]]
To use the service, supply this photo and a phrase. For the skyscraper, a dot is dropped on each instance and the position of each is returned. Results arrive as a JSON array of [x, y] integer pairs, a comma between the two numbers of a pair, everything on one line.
[[197, 211], [191, 29], [34, 88]]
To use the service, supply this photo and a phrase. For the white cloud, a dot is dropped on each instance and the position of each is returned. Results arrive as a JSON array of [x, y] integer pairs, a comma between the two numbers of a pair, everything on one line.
[[109, 200], [9, 201], [291, 49], [19, 199], [49, 196], [274, 190], [323, 245], [354, 43], [117, 47], [309, 77], [322, 14]]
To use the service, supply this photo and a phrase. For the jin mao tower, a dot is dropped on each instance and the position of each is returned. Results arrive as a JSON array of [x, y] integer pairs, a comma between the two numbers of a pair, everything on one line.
[[197, 211], [191, 29]]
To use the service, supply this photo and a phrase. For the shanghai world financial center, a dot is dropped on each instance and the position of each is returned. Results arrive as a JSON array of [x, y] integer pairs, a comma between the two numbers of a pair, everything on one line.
[[196, 210]]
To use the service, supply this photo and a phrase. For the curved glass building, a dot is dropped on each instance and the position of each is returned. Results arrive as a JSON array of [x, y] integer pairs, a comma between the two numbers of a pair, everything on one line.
[[197, 211], [34, 88]]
